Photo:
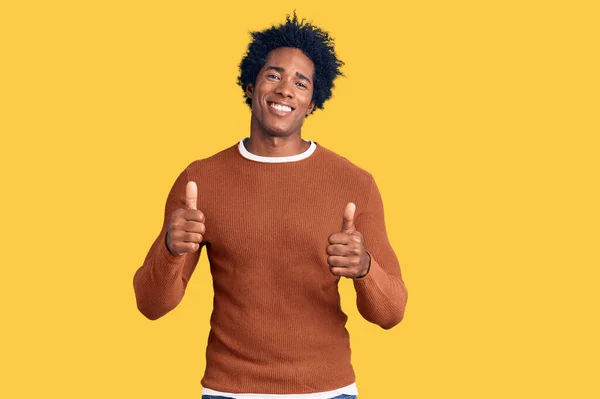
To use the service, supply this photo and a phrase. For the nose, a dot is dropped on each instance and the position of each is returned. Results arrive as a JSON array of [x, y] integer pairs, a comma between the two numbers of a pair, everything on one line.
[[284, 88]]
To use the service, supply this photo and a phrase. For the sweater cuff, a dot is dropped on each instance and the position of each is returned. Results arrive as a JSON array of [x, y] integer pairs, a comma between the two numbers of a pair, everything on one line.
[[169, 265], [375, 274]]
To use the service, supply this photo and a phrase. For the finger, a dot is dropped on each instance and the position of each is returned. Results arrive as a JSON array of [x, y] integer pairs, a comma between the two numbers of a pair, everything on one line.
[[342, 250], [341, 238], [343, 261], [192, 237], [194, 227], [191, 195], [189, 247], [348, 224], [341, 272], [193, 215], [186, 247]]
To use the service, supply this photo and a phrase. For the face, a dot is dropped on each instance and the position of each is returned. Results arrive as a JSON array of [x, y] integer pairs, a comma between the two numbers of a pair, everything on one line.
[[282, 94]]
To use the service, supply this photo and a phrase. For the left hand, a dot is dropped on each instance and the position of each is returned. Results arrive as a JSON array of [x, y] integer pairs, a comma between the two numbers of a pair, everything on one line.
[[347, 255]]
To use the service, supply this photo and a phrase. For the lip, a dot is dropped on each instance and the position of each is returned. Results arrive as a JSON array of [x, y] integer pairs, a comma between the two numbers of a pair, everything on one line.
[[277, 111]]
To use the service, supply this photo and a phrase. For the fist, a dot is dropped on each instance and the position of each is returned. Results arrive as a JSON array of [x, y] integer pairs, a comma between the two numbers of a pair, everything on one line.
[[346, 251], [186, 226]]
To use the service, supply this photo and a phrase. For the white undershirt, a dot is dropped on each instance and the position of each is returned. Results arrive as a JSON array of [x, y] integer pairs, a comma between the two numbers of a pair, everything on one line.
[[291, 158], [347, 390]]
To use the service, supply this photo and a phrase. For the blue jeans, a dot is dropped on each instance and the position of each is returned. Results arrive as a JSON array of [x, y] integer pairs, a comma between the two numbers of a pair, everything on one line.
[[342, 396]]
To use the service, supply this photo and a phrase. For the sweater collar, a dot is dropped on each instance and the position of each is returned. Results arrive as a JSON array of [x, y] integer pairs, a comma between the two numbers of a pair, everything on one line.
[[292, 158]]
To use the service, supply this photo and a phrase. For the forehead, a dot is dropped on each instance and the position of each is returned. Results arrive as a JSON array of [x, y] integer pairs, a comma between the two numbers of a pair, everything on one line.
[[290, 59]]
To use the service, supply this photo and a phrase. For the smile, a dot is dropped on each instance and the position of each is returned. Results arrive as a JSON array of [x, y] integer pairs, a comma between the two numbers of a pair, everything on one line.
[[281, 107]]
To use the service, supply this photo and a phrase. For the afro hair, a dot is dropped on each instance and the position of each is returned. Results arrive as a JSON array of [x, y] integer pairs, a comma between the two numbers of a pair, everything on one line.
[[314, 42]]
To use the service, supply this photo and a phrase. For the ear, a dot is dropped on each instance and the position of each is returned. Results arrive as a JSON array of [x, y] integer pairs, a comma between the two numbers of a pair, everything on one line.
[[310, 109], [249, 90]]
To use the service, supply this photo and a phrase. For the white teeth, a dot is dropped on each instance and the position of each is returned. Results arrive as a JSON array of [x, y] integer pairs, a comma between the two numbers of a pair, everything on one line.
[[281, 107]]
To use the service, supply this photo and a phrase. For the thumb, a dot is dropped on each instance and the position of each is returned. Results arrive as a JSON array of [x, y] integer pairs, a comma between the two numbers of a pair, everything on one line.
[[348, 224], [191, 195]]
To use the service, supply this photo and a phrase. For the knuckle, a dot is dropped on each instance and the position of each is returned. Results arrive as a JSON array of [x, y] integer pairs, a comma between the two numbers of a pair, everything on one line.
[[175, 247]]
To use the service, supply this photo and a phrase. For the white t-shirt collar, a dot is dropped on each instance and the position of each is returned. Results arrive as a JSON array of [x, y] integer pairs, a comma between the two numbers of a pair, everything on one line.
[[292, 158]]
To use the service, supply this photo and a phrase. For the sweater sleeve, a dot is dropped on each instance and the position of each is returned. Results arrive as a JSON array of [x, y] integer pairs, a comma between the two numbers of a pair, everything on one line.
[[381, 294], [159, 284]]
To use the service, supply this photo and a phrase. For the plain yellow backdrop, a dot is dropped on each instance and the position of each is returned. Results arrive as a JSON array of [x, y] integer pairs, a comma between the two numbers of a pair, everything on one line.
[[479, 121]]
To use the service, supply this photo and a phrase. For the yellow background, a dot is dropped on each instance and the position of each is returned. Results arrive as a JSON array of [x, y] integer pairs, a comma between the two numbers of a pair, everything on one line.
[[479, 121]]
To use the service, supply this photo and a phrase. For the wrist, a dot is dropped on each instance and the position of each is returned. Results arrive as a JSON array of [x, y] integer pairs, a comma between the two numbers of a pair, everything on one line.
[[167, 242], [367, 261]]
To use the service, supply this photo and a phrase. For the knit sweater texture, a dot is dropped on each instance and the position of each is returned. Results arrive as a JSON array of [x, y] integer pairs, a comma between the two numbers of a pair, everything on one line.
[[277, 326]]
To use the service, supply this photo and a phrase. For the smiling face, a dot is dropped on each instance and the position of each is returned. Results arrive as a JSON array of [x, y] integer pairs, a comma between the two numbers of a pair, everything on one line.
[[282, 94]]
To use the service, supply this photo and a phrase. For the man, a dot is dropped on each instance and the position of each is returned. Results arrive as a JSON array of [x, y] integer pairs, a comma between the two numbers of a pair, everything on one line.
[[282, 220]]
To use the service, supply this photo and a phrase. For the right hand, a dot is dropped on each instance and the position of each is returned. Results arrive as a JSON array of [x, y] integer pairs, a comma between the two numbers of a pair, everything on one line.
[[186, 227]]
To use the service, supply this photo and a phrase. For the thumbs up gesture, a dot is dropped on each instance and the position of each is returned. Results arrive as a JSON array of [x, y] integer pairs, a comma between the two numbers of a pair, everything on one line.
[[186, 227], [346, 252]]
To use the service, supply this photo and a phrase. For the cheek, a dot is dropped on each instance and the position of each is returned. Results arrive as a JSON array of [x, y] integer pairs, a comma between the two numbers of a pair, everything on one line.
[[307, 98], [306, 103], [256, 102]]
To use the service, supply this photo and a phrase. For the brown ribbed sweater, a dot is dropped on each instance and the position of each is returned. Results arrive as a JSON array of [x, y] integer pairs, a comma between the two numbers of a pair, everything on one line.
[[277, 326]]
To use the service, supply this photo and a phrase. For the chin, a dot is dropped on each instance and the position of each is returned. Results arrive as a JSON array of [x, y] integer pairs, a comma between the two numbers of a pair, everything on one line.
[[280, 131], [277, 127]]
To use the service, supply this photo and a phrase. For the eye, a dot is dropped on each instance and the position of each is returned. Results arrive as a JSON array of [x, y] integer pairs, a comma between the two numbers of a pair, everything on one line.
[[301, 85], [273, 76]]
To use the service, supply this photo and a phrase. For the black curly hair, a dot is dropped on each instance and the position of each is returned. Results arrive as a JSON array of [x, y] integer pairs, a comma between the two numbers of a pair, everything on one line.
[[314, 42]]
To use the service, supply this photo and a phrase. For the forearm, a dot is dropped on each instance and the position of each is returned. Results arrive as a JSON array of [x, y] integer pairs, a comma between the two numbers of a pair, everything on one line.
[[380, 296], [159, 284]]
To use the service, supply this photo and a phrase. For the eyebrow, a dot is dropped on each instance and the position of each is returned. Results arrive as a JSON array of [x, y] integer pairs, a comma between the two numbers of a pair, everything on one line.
[[281, 70]]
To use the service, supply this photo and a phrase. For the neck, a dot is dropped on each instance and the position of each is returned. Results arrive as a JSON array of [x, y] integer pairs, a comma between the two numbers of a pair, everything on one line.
[[266, 145]]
